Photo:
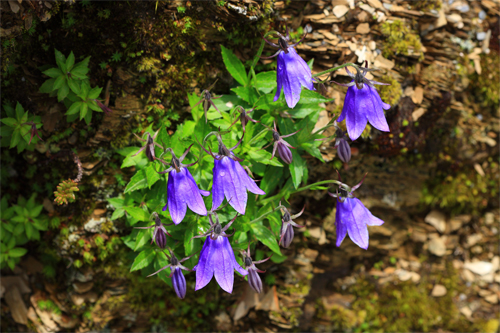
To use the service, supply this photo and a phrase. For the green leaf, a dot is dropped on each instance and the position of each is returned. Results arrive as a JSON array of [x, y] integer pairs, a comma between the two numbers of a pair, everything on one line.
[[36, 211], [94, 93], [74, 108], [70, 61], [61, 61], [48, 86], [137, 182], [265, 236], [248, 94], [264, 157], [30, 231], [17, 252], [14, 140], [74, 86], [117, 202], [188, 241], [119, 212], [297, 168], [53, 72], [11, 243], [234, 66], [88, 117], [151, 175], [18, 229], [63, 92], [9, 122], [142, 238], [144, 258], [19, 112], [265, 82], [83, 110], [138, 213]]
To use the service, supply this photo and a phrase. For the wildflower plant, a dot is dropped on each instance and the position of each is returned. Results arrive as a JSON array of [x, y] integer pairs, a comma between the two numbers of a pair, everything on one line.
[[233, 185]]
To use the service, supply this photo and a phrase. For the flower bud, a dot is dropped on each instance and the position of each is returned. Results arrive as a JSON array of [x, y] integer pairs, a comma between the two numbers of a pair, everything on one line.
[[288, 234], [161, 238], [179, 283], [254, 280], [150, 149], [285, 153], [344, 150]]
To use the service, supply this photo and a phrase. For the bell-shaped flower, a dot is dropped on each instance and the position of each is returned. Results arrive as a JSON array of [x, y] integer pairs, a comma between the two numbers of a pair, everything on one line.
[[159, 233], [217, 257], [253, 277], [182, 190], [178, 279], [287, 224], [292, 72], [363, 104], [207, 100], [352, 217], [230, 179], [283, 147], [149, 147]]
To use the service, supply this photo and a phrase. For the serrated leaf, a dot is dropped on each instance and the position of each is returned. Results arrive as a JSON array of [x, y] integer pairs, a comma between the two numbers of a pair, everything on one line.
[[48, 86], [248, 94], [265, 81], [119, 212], [14, 140], [9, 122], [94, 93], [83, 110], [137, 182], [297, 168], [138, 213], [151, 175], [70, 61], [117, 202], [30, 231], [53, 72], [142, 239], [61, 61], [264, 157], [19, 111], [234, 66], [74, 86], [74, 108], [144, 258], [266, 237], [63, 92]]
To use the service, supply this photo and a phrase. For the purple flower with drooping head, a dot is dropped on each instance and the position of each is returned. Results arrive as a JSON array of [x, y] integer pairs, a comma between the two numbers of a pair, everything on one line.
[[292, 72], [343, 148], [178, 279], [159, 233], [33, 130], [363, 104], [182, 190], [149, 146], [283, 147], [287, 224], [253, 277], [352, 217], [217, 257], [230, 179]]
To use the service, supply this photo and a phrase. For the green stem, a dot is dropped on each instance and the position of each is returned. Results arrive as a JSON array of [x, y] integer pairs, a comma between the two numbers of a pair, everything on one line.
[[300, 189], [335, 69], [259, 53], [268, 213]]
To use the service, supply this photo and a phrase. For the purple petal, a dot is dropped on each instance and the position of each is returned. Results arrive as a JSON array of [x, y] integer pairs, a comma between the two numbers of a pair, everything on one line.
[[280, 73], [293, 73], [217, 188], [192, 195], [355, 117], [375, 114], [340, 226], [223, 265], [175, 197], [234, 187], [354, 217], [205, 267], [179, 283], [247, 180], [369, 218]]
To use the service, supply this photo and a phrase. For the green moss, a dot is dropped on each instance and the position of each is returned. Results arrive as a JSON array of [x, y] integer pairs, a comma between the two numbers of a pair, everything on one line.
[[486, 86], [426, 5], [399, 39], [392, 93]]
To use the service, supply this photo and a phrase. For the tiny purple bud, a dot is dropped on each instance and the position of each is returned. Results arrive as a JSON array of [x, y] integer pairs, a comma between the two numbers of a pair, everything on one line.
[[254, 280], [150, 149], [288, 234], [285, 153], [179, 283], [344, 150], [161, 239], [103, 107]]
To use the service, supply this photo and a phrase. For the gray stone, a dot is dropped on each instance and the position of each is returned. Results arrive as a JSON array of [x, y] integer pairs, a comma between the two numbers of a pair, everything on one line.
[[479, 267], [437, 247], [437, 220], [438, 291]]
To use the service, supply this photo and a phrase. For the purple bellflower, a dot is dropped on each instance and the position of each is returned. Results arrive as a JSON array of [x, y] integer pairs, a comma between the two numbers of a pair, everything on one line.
[[244, 118], [363, 104], [159, 233], [178, 279], [230, 179], [149, 147], [182, 190], [207, 100], [283, 147], [292, 72], [217, 257], [352, 217], [343, 148], [253, 277], [287, 224]]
